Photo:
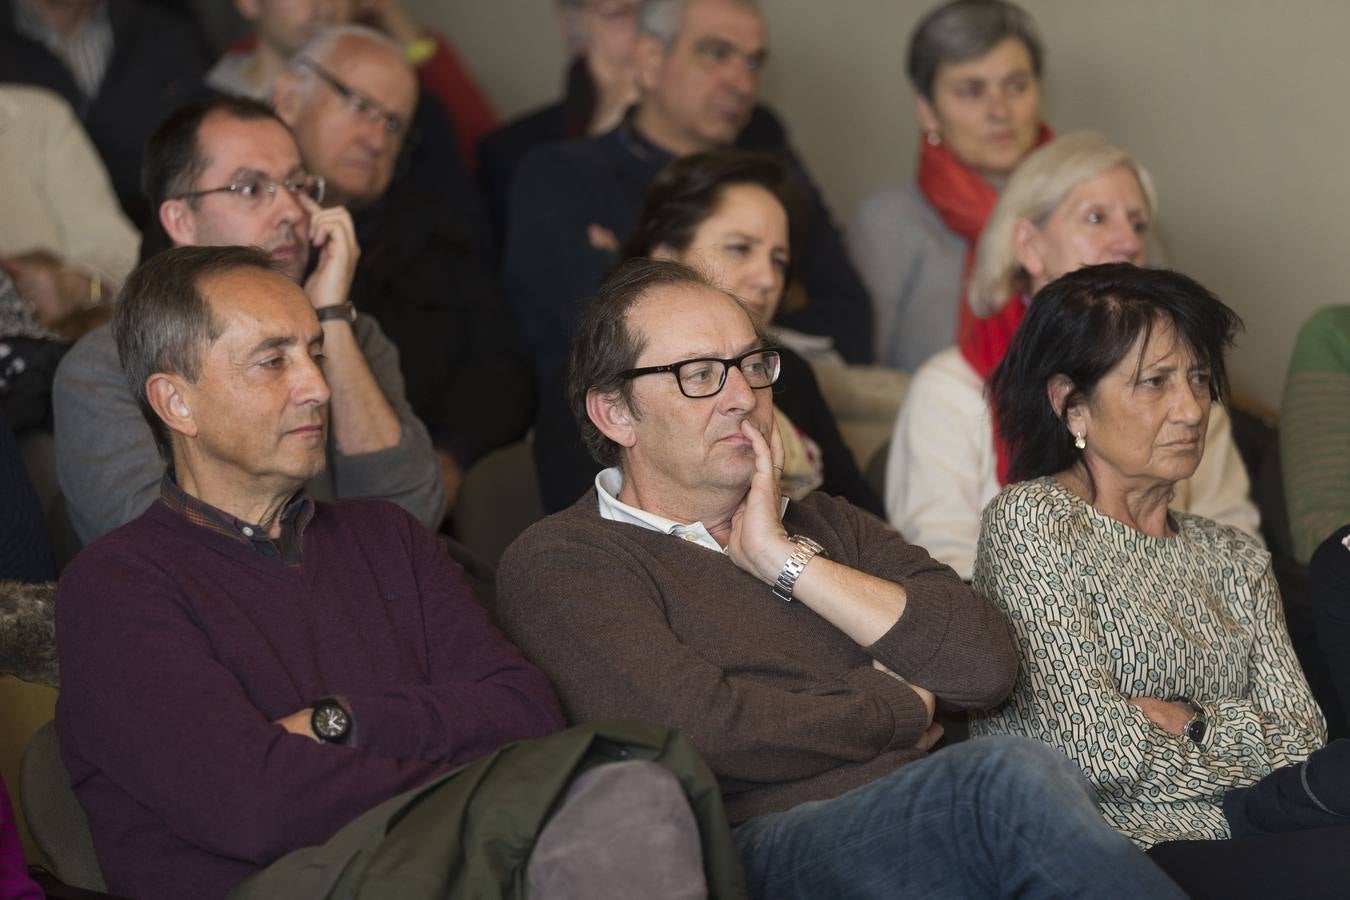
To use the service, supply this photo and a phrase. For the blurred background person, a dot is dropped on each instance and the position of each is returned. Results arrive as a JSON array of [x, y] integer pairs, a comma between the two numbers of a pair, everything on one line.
[[122, 65], [1315, 430], [600, 85], [1077, 201], [975, 66]]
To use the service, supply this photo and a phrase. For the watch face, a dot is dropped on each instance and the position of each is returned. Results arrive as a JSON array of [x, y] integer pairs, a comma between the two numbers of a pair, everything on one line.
[[330, 722]]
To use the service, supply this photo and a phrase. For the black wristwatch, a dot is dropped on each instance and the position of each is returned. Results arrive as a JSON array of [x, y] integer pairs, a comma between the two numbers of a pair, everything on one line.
[[1198, 726], [330, 721]]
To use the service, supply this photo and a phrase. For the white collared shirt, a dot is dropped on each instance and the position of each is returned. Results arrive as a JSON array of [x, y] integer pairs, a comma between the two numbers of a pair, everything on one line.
[[609, 483]]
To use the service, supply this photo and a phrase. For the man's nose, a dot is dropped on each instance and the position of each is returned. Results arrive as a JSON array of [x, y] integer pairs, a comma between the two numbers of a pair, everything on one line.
[[741, 76], [737, 395], [310, 387]]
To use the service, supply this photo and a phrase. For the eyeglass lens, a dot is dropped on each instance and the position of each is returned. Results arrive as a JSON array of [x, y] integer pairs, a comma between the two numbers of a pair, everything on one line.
[[705, 377]]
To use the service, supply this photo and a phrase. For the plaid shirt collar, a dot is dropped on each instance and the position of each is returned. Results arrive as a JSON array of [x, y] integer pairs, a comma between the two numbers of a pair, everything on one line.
[[289, 546]]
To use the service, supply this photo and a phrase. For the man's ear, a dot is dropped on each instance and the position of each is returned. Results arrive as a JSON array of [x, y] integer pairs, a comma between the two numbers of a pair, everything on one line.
[[611, 415], [649, 54], [1057, 390], [248, 10], [928, 120], [179, 222], [170, 398], [288, 96], [1027, 248]]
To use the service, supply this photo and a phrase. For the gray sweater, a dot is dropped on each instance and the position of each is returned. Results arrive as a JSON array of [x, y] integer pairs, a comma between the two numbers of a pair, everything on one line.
[[109, 468], [912, 266], [630, 622]]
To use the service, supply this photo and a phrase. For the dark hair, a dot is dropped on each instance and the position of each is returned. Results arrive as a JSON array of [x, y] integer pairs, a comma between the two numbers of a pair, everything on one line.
[[964, 30], [163, 321], [174, 159], [688, 190], [1081, 326], [605, 346]]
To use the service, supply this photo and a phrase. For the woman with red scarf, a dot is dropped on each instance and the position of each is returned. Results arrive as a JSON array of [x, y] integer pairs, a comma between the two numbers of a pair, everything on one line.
[[1076, 201], [976, 67]]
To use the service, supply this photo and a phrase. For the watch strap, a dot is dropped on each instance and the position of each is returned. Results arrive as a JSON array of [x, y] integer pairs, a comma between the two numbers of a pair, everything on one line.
[[344, 312], [806, 550]]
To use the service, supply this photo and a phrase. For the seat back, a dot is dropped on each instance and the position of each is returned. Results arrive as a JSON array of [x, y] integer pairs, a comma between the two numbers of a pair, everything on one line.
[[497, 501], [55, 820]]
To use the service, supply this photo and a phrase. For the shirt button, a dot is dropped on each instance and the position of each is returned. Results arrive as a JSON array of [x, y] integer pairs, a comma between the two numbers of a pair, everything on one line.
[[248, 532], [690, 536]]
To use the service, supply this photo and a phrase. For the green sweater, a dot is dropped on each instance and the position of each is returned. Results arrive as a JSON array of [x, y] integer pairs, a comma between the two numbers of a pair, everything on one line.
[[1315, 430], [634, 623]]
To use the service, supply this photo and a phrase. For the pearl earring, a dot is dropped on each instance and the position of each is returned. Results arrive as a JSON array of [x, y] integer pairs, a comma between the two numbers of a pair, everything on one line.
[[1079, 441], [933, 138]]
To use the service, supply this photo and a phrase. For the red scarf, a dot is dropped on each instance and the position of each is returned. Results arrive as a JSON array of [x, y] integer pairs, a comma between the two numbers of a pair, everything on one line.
[[964, 200]]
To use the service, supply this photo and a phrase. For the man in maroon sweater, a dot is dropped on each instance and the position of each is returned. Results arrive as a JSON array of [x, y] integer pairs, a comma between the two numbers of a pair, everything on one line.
[[661, 594], [246, 671]]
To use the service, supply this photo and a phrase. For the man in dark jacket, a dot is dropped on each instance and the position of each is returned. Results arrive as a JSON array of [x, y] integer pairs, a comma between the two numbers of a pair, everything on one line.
[[122, 65], [348, 96], [572, 203]]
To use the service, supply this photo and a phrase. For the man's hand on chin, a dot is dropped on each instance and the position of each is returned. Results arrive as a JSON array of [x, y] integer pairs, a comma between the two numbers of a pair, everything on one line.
[[758, 544]]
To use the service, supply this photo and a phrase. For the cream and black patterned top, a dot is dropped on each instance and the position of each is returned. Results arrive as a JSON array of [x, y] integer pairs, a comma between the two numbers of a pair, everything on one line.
[[1102, 613]]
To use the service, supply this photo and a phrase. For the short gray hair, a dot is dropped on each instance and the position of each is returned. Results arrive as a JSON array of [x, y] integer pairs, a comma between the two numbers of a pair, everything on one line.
[[163, 321], [963, 30], [1036, 189], [320, 49], [663, 19]]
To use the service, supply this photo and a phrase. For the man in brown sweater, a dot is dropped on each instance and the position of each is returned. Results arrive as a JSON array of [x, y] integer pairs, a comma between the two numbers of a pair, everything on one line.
[[660, 595]]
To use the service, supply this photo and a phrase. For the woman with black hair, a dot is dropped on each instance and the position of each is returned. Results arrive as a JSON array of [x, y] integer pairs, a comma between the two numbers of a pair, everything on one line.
[[1152, 643]]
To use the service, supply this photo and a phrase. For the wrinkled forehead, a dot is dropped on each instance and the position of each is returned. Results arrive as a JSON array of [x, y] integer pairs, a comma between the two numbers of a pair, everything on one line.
[[376, 71], [231, 146], [738, 22], [249, 301], [686, 320]]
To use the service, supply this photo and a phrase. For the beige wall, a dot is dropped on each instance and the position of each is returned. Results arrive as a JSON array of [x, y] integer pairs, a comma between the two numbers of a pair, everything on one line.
[[1238, 107]]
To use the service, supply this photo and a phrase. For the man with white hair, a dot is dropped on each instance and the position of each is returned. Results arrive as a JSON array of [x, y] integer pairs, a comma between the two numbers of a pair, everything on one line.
[[698, 65], [348, 96]]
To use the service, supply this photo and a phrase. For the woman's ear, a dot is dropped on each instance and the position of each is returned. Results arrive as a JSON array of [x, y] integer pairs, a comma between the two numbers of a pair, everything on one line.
[[1058, 390], [1027, 247], [928, 120], [611, 415]]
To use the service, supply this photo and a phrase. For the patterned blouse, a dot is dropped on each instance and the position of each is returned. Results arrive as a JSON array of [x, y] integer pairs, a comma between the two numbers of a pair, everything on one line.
[[1102, 613]]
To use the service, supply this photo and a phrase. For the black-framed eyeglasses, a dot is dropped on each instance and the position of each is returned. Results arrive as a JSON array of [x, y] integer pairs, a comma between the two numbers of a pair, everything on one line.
[[706, 376], [259, 190], [359, 104]]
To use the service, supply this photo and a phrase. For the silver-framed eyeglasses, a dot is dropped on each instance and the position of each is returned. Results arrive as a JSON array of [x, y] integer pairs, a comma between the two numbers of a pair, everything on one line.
[[362, 106], [706, 376], [259, 190]]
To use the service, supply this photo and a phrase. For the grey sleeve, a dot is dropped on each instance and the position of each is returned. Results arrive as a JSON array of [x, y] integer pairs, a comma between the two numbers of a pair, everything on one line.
[[407, 473], [106, 460]]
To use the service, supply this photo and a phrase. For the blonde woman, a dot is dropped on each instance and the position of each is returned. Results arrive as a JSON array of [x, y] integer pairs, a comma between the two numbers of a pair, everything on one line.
[[1076, 201]]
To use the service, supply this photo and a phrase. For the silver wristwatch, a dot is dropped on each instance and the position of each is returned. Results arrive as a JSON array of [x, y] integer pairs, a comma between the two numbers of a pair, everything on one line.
[[806, 551]]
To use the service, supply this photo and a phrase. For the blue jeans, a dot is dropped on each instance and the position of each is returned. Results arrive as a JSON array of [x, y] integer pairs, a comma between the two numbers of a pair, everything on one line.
[[991, 817]]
